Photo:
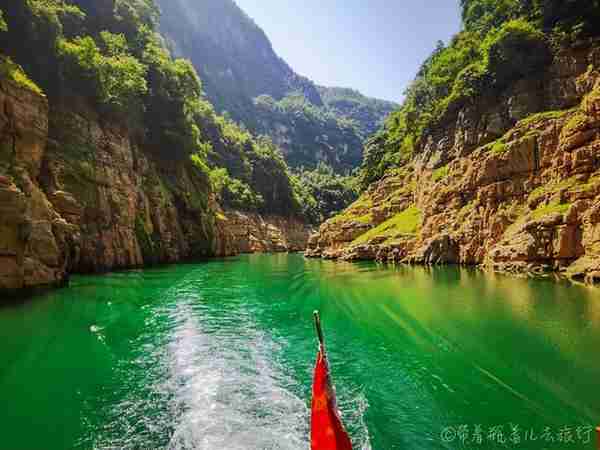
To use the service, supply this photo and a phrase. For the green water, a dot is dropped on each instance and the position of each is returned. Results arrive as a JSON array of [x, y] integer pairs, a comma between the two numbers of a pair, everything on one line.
[[219, 355]]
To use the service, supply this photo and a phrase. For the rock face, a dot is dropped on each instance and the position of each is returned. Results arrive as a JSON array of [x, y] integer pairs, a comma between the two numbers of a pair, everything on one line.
[[240, 232], [78, 194], [511, 184]]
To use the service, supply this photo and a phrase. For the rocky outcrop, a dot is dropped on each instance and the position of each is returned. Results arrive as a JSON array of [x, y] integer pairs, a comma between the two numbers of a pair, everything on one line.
[[33, 237], [240, 232], [500, 184], [80, 194], [438, 250]]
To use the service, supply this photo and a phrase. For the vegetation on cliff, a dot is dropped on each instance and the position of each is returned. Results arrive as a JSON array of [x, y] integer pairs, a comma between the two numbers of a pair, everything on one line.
[[367, 114], [111, 55], [500, 42], [323, 192], [492, 159], [308, 133], [405, 223], [14, 72], [3, 26]]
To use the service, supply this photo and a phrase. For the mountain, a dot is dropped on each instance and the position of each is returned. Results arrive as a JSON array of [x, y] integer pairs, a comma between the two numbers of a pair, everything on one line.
[[367, 113], [243, 76], [493, 159]]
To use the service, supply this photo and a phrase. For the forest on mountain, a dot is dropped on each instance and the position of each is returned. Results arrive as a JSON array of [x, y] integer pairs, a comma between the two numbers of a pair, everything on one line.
[[244, 78], [111, 54]]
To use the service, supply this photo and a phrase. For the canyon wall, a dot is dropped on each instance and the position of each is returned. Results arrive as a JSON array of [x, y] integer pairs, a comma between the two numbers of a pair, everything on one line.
[[79, 194], [511, 183]]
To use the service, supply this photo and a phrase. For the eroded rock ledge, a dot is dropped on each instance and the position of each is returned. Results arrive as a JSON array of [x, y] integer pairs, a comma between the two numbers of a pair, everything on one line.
[[78, 194], [501, 185]]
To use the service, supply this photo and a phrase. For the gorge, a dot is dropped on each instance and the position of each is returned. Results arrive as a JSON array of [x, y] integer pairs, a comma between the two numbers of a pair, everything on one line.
[[498, 167], [113, 158], [176, 201]]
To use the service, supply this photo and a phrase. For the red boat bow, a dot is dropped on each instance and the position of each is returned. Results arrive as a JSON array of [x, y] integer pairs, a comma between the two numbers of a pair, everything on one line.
[[326, 429]]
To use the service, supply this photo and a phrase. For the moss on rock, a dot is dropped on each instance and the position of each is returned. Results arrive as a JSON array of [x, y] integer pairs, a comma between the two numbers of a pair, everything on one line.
[[15, 73], [407, 222], [440, 173]]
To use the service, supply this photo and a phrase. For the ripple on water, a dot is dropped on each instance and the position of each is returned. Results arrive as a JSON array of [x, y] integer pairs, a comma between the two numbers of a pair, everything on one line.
[[206, 377], [207, 387]]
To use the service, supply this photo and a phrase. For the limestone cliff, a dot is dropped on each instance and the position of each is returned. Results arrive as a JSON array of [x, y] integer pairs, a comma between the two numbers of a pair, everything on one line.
[[510, 182], [241, 232], [79, 194]]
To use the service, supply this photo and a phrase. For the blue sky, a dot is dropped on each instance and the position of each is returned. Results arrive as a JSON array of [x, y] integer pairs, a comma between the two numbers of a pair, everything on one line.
[[375, 46]]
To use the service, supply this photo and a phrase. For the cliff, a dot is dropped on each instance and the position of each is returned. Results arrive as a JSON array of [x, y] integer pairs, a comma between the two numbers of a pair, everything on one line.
[[242, 232], [111, 157], [509, 181], [80, 194]]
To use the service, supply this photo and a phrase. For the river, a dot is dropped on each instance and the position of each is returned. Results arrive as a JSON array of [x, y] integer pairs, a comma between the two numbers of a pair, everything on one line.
[[219, 355]]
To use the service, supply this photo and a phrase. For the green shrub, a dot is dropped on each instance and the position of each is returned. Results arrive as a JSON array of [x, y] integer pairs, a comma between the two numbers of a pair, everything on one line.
[[199, 162], [240, 195], [322, 193], [498, 147], [14, 72], [129, 16], [3, 26], [514, 50], [575, 123], [551, 208], [441, 173], [484, 15], [470, 81], [116, 77], [545, 115], [219, 178], [406, 223], [49, 17], [233, 192]]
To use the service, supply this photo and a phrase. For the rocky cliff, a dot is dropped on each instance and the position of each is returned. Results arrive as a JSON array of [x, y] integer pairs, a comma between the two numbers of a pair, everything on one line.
[[510, 182], [242, 232], [79, 194]]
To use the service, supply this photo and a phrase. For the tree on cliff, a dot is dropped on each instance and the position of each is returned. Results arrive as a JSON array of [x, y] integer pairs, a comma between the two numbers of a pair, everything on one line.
[[3, 26]]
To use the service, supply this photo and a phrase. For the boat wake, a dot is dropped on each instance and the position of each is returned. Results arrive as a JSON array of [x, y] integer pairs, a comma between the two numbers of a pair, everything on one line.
[[231, 394], [208, 379]]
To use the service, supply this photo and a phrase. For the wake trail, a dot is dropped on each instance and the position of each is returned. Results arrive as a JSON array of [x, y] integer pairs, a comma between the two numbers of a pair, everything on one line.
[[231, 393]]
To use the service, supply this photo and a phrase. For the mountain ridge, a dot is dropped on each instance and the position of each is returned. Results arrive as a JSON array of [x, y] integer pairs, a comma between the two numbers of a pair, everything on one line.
[[238, 65]]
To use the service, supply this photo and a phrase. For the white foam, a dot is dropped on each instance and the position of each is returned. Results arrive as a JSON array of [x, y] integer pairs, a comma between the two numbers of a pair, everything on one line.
[[232, 394], [206, 381]]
